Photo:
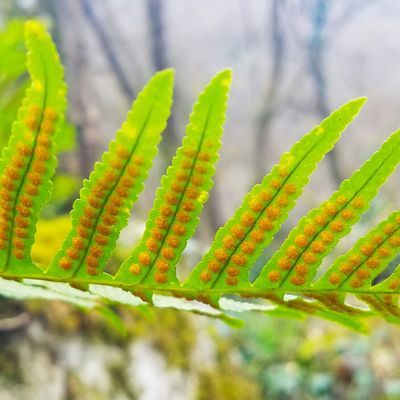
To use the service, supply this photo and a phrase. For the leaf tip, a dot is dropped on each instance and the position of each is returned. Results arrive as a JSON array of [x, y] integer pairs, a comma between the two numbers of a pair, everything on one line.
[[166, 75], [360, 101], [33, 27], [224, 76]]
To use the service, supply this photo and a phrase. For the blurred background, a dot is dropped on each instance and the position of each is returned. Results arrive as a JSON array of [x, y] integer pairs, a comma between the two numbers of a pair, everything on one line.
[[294, 61]]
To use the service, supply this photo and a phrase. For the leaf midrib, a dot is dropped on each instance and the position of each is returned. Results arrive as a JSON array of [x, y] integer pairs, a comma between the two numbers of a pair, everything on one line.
[[111, 191], [31, 159], [182, 196], [370, 177], [250, 291]]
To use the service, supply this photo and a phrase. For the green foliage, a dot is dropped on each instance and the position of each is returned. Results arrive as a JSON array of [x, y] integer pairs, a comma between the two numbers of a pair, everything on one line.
[[219, 285], [28, 162], [296, 262], [113, 187], [240, 242], [13, 80], [184, 189]]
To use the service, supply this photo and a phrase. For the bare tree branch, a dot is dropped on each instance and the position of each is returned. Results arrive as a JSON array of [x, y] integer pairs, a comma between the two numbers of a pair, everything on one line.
[[108, 49], [316, 56], [155, 10], [270, 100], [155, 13], [75, 48]]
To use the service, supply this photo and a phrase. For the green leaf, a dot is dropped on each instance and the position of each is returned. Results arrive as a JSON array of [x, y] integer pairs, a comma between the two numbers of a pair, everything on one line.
[[28, 161], [113, 187], [183, 192], [240, 242], [295, 264], [346, 293], [355, 270]]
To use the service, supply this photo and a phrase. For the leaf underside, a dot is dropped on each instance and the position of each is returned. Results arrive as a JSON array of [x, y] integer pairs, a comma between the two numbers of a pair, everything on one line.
[[358, 284]]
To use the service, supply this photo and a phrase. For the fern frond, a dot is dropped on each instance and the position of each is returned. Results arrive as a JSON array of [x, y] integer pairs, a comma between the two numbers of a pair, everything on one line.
[[295, 264], [113, 187], [356, 270], [240, 242], [219, 284], [28, 162], [183, 192]]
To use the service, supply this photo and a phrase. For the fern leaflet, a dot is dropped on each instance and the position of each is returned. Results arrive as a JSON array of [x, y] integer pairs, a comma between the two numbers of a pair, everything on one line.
[[219, 284]]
